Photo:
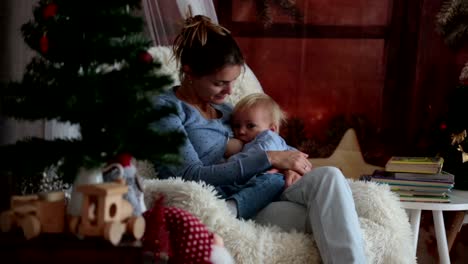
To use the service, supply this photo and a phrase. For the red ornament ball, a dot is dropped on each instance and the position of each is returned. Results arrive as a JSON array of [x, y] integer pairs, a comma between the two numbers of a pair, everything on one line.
[[44, 44], [145, 57], [443, 126], [49, 11], [124, 159]]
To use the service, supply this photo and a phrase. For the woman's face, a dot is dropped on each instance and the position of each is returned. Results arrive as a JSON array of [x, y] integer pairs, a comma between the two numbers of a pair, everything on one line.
[[214, 88]]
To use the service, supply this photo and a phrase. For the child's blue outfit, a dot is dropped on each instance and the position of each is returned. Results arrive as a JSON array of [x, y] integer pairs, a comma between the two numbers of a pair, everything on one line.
[[261, 189]]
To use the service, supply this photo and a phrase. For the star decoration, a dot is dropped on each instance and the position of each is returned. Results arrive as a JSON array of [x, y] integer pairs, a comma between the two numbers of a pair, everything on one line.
[[347, 157]]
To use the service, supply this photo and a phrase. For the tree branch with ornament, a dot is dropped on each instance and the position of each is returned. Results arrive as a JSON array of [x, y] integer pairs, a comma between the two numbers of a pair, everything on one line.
[[92, 69]]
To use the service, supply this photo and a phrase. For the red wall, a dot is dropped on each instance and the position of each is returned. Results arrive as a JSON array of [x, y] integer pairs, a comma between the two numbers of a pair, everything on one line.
[[317, 79], [381, 60]]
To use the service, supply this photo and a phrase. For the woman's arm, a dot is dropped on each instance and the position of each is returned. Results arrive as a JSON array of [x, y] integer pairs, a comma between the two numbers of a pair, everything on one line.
[[290, 160], [280, 155], [192, 168]]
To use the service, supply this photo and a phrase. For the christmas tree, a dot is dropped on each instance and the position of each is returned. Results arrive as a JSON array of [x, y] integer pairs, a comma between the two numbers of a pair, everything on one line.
[[91, 68]]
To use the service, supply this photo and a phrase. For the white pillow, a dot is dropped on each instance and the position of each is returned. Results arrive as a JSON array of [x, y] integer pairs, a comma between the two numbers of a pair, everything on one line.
[[246, 84]]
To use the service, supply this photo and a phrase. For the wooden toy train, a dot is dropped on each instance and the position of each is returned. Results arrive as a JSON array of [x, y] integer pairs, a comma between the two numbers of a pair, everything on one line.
[[104, 213]]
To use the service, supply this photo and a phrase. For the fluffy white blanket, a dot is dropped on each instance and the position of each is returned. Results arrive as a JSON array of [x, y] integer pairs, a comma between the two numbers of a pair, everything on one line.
[[387, 233]]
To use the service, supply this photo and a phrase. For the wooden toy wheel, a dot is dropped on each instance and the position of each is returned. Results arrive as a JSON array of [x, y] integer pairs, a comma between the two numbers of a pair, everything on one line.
[[136, 226], [31, 226], [113, 232], [6, 221]]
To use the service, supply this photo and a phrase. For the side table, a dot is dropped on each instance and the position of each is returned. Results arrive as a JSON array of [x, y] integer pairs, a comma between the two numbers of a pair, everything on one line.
[[458, 202]]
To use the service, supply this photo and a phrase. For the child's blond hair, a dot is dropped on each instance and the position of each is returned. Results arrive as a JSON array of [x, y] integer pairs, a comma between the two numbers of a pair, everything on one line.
[[278, 116]]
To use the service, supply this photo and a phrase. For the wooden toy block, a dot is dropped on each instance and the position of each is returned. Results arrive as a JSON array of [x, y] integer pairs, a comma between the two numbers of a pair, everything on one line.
[[35, 214], [105, 213]]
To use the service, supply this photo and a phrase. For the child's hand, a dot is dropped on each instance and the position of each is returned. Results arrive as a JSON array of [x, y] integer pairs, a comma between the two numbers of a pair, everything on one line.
[[290, 177], [233, 146], [273, 170]]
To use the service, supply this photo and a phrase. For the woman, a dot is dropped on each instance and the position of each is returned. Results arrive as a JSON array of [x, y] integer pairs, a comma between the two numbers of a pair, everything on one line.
[[210, 61]]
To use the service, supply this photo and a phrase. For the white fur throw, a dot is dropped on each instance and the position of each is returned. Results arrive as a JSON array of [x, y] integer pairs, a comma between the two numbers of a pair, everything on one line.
[[387, 233]]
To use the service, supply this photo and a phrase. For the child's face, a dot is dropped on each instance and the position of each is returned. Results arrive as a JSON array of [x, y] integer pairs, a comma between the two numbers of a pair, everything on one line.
[[249, 122]]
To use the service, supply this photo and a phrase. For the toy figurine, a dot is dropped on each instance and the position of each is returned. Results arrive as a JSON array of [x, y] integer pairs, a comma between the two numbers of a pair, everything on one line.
[[130, 176], [176, 236]]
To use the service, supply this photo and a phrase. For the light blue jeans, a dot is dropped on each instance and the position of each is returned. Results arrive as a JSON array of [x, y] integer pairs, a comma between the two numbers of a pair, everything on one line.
[[255, 194], [321, 202]]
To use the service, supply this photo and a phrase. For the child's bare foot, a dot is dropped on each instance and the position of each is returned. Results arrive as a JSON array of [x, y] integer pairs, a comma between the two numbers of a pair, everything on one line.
[[217, 240]]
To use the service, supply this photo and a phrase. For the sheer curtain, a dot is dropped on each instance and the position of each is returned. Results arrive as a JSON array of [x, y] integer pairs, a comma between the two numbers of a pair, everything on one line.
[[164, 20], [164, 17], [15, 56]]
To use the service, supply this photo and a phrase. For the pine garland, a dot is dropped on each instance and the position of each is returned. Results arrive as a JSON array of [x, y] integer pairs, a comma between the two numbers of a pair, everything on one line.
[[452, 22]]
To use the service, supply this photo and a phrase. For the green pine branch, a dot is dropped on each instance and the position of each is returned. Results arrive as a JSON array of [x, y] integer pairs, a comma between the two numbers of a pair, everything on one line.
[[91, 69]]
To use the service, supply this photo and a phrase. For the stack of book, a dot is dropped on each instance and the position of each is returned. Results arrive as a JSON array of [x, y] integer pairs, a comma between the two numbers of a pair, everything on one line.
[[418, 179]]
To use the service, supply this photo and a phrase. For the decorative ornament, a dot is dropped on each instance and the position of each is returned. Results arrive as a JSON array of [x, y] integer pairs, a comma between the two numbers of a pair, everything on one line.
[[443, 126], [156, 238], [44, 44], [289, 7], [464, 154], [464, 75], [145, 57], [49, 11], [456, 142], [176, 236], [451, 22], [87, 176], [458, 138], [347, 157], [129, 176]]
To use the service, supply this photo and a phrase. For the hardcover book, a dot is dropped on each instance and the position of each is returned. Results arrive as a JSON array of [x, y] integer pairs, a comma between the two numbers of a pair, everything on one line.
[[429, 165], [442, 176], [425, 199], [392, 179]]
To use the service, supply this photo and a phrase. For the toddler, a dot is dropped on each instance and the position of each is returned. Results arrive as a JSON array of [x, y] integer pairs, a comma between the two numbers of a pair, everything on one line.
[[255, 122]]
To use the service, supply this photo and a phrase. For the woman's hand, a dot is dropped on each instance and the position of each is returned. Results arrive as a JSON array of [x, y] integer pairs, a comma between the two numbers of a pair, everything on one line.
[[290, 160], [290, 177]]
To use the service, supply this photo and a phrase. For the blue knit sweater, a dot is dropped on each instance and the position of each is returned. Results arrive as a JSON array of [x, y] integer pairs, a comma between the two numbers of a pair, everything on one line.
[[203, 150], [266, 140]]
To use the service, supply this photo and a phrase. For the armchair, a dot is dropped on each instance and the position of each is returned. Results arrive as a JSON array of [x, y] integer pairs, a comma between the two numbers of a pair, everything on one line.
[[387, 233]]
